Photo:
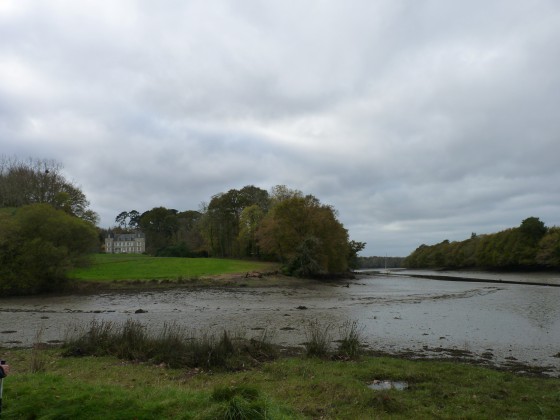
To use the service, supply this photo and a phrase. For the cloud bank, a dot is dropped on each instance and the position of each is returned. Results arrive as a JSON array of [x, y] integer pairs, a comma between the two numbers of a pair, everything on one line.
[[418, 121]]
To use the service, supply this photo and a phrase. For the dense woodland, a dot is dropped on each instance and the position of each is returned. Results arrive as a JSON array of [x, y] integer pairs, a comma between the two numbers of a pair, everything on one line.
[[47, 228], [281, 225], [532, 245]]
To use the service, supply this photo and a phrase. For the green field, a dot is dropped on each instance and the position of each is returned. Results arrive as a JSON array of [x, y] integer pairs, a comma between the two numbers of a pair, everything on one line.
[[291, 388], [109, 267]]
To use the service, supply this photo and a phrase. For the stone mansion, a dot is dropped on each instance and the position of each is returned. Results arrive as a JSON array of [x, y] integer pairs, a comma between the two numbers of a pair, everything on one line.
[[125, 243]]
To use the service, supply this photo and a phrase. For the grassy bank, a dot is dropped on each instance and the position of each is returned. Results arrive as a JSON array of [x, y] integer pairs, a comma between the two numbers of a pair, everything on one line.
[[111, 267], [287, 388]]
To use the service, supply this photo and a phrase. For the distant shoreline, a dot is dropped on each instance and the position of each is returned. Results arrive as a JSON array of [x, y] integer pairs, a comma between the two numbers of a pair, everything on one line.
[[442, 277]]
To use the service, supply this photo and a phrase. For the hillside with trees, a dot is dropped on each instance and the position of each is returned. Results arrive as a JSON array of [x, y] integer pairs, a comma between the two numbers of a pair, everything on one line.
[[532, 245]]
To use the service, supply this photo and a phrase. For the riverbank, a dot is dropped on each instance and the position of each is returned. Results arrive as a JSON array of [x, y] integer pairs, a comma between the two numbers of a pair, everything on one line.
[[249, 279], [502, 324], [287, 388]]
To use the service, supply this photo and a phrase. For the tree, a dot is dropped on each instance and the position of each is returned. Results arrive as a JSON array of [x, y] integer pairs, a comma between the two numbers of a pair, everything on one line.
[[548, 254], [532, 229], [121, 219], [280, 193], [354, 247], [38, 245], [189, 233], [128, 220], [307, 258], [223, 217], [249, 222], [41, 181], [305, 235], [159, 225], [133, 219]]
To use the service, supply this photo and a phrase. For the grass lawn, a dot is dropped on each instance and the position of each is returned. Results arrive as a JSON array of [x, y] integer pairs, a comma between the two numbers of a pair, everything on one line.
[[109, 267], [289, 388]]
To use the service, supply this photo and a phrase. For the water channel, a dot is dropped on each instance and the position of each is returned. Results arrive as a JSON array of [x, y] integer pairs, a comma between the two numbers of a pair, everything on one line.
[[501, 323]]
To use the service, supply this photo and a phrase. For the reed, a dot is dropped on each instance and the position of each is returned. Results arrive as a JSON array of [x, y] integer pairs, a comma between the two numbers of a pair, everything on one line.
[[318, 338], [173, 345], [350, 342]]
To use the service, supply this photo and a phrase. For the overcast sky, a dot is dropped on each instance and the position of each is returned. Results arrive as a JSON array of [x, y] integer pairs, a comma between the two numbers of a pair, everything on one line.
[[417, 120]]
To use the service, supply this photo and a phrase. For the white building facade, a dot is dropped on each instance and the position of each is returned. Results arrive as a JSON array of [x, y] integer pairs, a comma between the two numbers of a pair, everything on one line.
[[125, 243]]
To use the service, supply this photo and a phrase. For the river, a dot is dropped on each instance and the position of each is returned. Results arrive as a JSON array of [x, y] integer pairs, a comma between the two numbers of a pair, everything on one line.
[[501, 324]]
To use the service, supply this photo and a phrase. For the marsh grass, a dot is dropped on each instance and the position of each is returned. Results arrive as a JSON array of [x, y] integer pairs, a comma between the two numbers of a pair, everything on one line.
[[262, 348], [286, 388], [350, 341], [318, 338], [172, 345], [38, 361]]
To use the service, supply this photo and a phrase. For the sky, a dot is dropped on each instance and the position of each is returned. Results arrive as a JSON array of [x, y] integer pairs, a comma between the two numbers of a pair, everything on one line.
[[418, 120]]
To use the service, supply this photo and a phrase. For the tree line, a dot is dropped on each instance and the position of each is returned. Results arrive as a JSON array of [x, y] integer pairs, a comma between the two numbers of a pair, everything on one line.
[[282, 225], [380, 262], [532, 245], [47, 228]]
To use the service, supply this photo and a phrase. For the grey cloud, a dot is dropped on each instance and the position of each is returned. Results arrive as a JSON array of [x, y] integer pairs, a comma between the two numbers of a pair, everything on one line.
[[418, 121]]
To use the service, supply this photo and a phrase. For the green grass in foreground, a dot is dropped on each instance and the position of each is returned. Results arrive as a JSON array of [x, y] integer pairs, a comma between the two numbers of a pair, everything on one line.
[[292, 388], [108, 267]]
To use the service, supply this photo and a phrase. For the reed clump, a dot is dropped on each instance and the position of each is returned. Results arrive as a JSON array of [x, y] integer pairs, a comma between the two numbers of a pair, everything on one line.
[[350, 342], [173, 345], [319, 339]]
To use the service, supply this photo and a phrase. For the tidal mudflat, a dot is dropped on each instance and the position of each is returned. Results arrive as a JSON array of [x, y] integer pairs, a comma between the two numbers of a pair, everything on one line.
[[502, 324]]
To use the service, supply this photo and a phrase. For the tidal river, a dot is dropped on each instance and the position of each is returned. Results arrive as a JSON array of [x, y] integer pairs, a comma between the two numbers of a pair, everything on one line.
[[498, 323]]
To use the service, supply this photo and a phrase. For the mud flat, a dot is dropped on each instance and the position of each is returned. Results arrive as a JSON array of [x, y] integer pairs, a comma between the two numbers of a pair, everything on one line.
[[505, 324]]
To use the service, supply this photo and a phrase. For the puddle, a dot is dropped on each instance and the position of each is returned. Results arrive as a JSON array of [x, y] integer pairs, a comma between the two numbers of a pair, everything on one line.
[[386, 385]]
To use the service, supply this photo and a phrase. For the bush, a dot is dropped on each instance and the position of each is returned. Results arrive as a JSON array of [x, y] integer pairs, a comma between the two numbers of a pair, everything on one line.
[[38, 245]]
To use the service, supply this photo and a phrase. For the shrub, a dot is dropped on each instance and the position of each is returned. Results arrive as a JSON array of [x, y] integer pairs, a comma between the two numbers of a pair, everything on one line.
[[38, 245]]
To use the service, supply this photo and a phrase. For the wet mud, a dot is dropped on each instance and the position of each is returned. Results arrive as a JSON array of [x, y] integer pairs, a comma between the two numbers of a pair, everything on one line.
[[515, 326]]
